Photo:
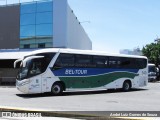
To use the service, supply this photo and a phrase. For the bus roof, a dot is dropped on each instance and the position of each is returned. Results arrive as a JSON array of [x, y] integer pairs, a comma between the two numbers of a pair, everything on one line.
[[85, 52]]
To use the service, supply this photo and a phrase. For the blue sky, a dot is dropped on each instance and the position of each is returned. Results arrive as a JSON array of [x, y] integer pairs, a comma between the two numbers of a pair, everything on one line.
[[119, 24]]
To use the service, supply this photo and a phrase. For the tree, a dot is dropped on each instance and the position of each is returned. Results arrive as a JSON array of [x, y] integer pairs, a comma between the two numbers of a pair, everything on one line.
[[152, 51]]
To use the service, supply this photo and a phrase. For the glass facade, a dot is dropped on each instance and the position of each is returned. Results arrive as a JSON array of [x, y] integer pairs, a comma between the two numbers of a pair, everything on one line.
[[36, 24]]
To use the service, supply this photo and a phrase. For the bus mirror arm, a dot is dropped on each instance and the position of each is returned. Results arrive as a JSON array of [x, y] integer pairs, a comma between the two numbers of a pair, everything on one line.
[[15, 63], [24, 64], [30, 58]]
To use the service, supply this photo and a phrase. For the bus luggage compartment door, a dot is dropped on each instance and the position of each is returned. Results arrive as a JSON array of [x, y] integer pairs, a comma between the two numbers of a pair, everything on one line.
[[44, 84]]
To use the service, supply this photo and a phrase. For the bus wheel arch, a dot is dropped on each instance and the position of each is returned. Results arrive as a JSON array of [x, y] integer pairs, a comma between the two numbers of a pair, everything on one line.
[[57, 88], [127, 85]]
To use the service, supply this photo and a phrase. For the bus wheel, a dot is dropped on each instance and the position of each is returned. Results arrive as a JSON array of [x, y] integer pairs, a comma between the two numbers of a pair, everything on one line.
[[126, 86], [57, 89]]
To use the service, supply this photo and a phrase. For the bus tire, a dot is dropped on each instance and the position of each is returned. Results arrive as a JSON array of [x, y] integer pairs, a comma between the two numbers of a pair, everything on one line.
[[57, 88], [126, 86]]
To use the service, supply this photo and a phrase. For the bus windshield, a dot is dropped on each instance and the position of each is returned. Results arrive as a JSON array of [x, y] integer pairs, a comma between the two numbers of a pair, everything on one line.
[[34, 66], [23, 71]]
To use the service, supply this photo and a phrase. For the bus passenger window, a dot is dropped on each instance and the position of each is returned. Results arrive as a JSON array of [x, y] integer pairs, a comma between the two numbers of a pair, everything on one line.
[[141, 63], [83, 61], [100, 61], [114, 62], [64, 60], [127, 63]]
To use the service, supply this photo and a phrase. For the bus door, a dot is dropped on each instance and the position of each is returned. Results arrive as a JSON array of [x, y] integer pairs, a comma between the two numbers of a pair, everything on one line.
[[46, 83], [35, 84]]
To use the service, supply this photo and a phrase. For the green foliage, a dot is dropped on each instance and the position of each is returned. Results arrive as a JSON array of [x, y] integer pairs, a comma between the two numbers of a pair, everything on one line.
[[152, 51]]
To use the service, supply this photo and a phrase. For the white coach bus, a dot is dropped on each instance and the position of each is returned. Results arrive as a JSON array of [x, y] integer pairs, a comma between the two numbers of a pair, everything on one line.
[[57, 70]]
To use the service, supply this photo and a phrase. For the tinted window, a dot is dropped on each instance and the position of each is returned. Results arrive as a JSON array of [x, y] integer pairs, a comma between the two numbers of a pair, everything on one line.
[[44, 17], [83, 61], [27, 31], [41, 45], [127, 63], [36, 67], [89, 61], [27, 46], [141, 63], [65, 60], [100, 61], [44, 6], [151, 69], [44, 30], [28, 19], [46, 60], [133, 63], [114, 62], [28, 7]]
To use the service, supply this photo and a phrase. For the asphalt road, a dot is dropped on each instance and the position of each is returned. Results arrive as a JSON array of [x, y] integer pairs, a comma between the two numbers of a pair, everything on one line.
[[143, 99]]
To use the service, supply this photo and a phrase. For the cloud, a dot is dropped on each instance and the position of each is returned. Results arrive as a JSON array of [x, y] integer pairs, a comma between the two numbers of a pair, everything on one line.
[[99, 46]]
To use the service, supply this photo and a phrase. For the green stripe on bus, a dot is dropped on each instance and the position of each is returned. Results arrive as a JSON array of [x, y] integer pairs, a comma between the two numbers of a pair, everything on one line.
[[95, 81]]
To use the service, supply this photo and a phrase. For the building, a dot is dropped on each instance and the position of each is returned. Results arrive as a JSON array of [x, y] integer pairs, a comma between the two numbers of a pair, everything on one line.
[[26, 26], [7, 71], [41, 24]]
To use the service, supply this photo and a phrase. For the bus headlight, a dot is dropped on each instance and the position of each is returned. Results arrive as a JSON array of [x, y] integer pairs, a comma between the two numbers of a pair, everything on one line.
[[22, 83]]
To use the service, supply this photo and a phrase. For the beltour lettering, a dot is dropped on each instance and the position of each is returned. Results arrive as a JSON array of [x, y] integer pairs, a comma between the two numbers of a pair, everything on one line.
[[77, 72]]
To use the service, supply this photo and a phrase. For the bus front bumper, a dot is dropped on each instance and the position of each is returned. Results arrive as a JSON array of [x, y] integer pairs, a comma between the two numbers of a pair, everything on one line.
[[23, 85]]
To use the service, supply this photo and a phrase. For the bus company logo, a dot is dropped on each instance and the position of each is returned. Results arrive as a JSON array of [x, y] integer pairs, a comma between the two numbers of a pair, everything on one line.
[[6, 114], [75, 72]]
